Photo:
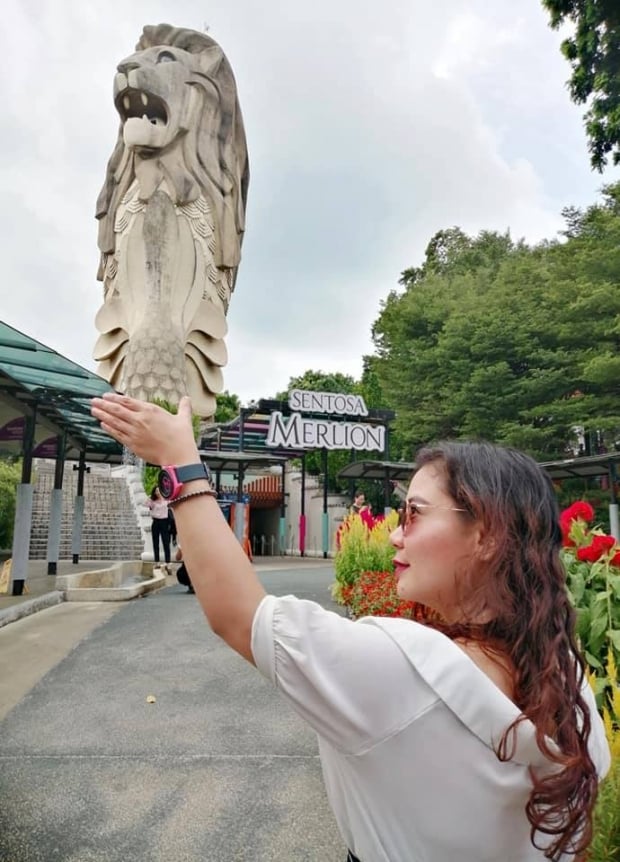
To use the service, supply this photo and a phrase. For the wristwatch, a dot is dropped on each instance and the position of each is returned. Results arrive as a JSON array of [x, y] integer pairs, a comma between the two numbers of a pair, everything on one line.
[[171, 479]]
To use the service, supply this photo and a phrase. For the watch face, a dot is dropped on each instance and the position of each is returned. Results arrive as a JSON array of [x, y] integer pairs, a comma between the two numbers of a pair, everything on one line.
[[166, 484]]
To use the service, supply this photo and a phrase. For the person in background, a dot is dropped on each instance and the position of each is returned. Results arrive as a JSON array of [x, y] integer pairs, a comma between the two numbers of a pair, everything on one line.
[[469, 736], [182, 573], [359, 500], [160, 529]]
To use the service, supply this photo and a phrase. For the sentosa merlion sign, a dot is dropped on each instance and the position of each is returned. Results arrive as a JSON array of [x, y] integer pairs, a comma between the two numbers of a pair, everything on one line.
[[299, 432]]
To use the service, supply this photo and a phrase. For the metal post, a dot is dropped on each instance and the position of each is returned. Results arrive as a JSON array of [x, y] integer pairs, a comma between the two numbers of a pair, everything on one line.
[[55, 522], [614, 525], [78, 509], [239, 527], [23, 512], [386, 492], [302, 516], [283, 514], [325, 518]]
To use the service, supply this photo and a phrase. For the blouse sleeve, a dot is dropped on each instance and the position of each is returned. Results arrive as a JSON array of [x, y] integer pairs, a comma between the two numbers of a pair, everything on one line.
[[349, 681]]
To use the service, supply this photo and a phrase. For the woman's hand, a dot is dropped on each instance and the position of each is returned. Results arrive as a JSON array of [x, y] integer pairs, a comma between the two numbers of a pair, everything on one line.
[[149, 431]]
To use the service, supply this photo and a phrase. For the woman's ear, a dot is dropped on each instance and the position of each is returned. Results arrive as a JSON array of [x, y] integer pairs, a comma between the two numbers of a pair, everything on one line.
[[486, 544]]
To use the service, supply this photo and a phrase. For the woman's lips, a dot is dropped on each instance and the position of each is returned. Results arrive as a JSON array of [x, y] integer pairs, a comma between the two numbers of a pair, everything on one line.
[[399, 568]]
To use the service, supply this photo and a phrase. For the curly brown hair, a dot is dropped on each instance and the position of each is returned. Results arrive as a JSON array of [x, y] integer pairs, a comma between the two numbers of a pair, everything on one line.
[[522, 592]]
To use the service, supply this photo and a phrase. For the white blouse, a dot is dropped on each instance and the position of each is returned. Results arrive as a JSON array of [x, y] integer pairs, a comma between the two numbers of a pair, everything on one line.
[[407, 726]]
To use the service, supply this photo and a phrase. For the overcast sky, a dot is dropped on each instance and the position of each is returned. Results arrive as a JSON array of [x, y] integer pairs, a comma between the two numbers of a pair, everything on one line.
[[370, 126]]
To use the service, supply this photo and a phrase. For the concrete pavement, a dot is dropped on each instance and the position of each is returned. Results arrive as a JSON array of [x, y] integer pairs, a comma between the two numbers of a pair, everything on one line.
[[217, 768]]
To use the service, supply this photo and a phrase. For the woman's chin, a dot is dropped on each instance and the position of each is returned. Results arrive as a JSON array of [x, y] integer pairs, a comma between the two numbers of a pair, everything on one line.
[[403, 593]]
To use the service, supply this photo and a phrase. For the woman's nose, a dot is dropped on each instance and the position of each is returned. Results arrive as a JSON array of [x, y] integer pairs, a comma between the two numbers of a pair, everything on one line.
[[396, 537]]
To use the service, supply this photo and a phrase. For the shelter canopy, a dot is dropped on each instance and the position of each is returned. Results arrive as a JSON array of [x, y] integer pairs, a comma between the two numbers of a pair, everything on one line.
[[34, 379], [232, 462], [582, 467], [397, 471]]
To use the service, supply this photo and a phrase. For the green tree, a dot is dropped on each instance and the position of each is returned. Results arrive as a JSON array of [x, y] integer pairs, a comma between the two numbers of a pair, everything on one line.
[[514, 344], [593, 52], [10, 477], [228, 407], [320, 381]]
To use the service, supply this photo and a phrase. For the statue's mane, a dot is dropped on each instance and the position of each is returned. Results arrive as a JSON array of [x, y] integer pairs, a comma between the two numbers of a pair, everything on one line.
[[212, 164]]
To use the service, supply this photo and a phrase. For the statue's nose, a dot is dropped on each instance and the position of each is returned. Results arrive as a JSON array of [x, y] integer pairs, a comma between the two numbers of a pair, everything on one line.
[[126, 66]]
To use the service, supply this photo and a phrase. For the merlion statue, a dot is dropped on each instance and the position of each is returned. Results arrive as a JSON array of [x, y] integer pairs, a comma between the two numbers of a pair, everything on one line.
[[171, 220]]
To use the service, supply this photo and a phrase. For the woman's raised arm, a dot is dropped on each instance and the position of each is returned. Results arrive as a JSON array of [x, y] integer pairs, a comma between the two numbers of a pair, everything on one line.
[[223, 578]]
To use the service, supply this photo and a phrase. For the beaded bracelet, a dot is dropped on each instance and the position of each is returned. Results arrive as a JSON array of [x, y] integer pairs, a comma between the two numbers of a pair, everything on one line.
[[205, 492]]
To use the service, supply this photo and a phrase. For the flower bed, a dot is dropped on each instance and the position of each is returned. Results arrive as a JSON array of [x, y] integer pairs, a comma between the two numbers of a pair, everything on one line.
[[363, 544], [592, 562], [374, 594]]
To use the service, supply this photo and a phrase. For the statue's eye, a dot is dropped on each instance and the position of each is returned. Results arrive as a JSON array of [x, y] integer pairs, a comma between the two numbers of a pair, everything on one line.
[[166, 57]]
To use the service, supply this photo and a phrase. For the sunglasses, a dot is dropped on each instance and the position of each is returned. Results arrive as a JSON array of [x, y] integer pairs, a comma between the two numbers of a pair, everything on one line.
[[410, 512]]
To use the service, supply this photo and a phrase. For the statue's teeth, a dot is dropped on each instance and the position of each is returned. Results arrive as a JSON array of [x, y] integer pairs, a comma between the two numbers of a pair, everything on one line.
[[145, 98], [126, 102]]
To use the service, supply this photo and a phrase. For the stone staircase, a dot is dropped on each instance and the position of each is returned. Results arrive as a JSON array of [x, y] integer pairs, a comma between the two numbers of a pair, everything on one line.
[[111, 529]]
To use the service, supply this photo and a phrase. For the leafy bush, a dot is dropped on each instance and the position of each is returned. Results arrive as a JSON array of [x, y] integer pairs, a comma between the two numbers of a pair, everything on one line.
[[592, 562], [605, 845], [10, 477], [363, 546], [374, 594]]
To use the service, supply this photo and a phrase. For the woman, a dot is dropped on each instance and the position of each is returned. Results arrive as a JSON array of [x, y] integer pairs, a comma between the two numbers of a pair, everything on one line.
[[160, 525], [473, 737]]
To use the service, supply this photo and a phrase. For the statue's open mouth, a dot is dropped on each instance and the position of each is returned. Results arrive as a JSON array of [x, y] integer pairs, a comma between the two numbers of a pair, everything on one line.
[[131, 103]]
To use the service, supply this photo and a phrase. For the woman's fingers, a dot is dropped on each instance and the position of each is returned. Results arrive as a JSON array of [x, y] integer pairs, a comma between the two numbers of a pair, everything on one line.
[[148, 430]]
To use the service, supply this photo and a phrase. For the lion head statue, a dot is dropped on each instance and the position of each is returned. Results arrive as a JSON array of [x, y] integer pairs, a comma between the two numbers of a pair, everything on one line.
[[180, 117]]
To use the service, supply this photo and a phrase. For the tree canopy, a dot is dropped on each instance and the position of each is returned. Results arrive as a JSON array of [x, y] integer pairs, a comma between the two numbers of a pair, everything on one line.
[[227, 407], [593, 53], [516, 344]]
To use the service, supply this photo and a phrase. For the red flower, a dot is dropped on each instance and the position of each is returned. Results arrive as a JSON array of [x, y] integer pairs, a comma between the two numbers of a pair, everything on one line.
[[580, 509], [577, 511], [374, 594], [367, 518], [615, 560], [599, 546]]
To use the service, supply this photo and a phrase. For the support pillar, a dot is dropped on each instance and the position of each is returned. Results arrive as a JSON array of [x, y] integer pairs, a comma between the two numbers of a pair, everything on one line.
[[240, 507], [302, 516], [614, 525], [325, 517], [23, 513], [78, 510], [283, 514], [55, 523]]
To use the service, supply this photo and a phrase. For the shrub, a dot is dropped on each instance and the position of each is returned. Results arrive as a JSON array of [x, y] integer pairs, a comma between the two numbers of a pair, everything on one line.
[[374, 594], [363, 546], [10, 477], [605, 845], [592, 563]]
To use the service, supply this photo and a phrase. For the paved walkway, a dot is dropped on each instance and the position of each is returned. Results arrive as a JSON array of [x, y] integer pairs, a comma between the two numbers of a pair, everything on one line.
[[217, 768]]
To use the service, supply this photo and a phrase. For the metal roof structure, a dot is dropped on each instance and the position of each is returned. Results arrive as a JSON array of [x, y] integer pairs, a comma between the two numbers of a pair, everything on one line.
[[582, 467], [391, 471], [569, 468], [36, 380], [232, 462]]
